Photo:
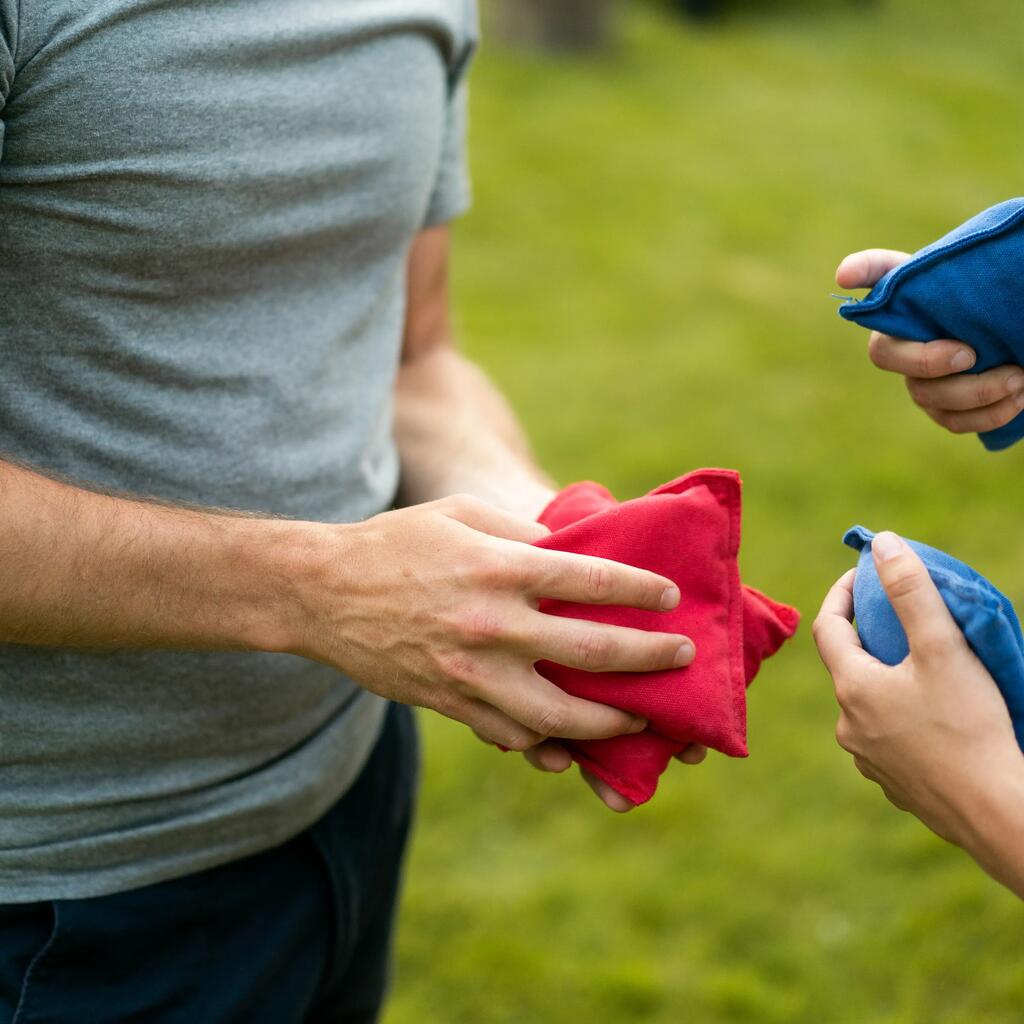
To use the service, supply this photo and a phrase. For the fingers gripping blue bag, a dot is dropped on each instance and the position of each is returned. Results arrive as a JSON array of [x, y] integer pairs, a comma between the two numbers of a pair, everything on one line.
[[968, 285], [985, 616]]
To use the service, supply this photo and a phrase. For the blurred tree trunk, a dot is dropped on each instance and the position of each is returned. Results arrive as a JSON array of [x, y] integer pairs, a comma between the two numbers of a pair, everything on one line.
[[555, 24]]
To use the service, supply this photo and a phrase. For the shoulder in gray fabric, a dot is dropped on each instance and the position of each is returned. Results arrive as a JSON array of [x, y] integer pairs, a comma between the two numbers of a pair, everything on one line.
[[967, 285]]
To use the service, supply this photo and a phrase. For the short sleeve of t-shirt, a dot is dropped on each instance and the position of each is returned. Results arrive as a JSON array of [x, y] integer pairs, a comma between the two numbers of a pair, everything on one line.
[[8, 42], [452, 193]]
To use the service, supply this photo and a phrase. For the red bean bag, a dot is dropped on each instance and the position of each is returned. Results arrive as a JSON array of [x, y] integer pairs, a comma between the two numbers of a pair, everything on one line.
[[689, 531]]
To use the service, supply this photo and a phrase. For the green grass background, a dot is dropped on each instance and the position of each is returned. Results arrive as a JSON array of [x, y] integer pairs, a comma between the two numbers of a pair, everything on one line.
[[647, 273]]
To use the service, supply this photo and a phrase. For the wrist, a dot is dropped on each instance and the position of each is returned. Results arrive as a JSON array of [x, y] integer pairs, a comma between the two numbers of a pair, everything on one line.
[[530, 499], [993, 816], [288, 566]]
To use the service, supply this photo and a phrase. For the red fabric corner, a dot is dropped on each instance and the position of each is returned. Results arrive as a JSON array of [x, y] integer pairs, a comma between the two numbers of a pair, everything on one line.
[[688, 530]]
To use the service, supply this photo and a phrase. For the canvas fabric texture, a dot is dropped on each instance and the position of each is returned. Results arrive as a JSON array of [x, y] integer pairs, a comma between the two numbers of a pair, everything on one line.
[[689, 531], [984, 614]]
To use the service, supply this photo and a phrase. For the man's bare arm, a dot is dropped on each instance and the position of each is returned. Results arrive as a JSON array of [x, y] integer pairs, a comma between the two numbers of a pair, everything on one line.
[[86, 569], [455, 430]]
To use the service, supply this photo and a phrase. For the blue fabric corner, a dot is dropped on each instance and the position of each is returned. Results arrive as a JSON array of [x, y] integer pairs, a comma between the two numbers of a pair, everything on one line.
[[967, 285], [983, 613]]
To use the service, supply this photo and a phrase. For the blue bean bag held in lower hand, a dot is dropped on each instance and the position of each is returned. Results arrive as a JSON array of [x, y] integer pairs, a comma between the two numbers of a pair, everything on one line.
[[968, 285], [985, 616]]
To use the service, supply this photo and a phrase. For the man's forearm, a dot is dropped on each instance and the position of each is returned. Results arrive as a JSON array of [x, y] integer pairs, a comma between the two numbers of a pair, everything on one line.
[[457, 434], [93, 570]]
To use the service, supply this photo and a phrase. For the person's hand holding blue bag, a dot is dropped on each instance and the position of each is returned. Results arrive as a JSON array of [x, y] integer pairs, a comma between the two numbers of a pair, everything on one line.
[[965, 286], [933, 730]]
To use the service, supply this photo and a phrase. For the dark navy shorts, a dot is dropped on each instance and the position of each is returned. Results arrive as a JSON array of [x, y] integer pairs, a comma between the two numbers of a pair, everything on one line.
[[299, 933]]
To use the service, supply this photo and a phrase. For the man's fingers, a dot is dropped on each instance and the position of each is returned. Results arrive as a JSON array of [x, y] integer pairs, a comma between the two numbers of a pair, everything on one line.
[[977, 421], [693, 754], [865, 268], [597, 647], [838, 644], [482, 738], [585, 579], [541, 707], [609, 797], [549, 756], [487, 518], [966, 392], [490, 724], [920, 359], [931, 631]]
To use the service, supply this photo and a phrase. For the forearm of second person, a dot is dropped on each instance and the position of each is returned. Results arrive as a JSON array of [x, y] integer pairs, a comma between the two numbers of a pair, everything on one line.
[[994, 826]]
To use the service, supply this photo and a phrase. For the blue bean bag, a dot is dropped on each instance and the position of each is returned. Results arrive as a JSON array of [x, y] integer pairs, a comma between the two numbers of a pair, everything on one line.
[[968, 285], [985, 616]]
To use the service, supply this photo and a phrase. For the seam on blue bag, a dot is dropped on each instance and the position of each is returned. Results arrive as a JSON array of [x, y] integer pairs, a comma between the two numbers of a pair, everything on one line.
[[916, 263], [968, 590]]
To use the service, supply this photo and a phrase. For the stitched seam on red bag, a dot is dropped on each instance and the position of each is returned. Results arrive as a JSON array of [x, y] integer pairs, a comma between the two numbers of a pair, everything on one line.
[[739, 690], [567, 493], [726, 486]]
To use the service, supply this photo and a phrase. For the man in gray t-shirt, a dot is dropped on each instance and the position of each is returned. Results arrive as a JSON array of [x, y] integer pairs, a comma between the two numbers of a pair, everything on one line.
[[224, 356]]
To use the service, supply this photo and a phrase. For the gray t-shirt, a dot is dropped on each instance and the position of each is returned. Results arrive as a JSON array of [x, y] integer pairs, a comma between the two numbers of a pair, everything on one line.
[[205, 211]]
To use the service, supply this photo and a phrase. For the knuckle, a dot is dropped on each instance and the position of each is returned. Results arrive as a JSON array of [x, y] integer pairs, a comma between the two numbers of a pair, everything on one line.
[[552, 720], [841, 736], [480, 626], [904, 583], [459, 668], [458, 503], [818, 627], [660, 654], [935, 649], [953, 423], [926, 361], [844, 734], [599, 580], [894, 798], [519, 741], [1000, 415], [491, 568], [819, 630], [987, 391], [593, 650]]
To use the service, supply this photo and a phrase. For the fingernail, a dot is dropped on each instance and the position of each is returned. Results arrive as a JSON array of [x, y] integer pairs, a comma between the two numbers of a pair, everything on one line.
[[963, 360], [669, 598], [684, 655], [886, 545], [1015, 383], [638, 725]]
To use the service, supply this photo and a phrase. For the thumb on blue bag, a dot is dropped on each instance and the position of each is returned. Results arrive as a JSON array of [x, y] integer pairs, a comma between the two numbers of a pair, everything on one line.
[[931, 631]]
